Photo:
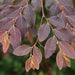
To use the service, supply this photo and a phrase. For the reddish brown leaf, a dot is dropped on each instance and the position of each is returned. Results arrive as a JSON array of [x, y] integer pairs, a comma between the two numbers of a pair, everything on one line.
[[5, 44], [30, 15], [54, 9], [71, 19], [57, 21], [67, 49], [27, 64], [64, 34], [22, 50], [60, 60], [67, 3], [69, 10], [21, 24], [10, 12], [32, 62], [30, 36], [62, 17], [37, 53], [50, 47], [7, 1], [43, 32], [3, 34], [15, 37], [20, 2], [67, 61], [6, 24]]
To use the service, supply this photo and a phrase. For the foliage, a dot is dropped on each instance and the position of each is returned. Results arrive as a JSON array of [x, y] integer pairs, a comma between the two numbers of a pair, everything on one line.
[[18, 23]]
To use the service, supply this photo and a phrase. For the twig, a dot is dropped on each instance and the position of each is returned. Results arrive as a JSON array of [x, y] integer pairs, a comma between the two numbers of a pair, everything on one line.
[[66, 16]]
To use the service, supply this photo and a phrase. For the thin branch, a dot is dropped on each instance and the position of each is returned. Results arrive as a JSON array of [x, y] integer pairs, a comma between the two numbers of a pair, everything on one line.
[[43, 16], [15, 19], [66, 16]]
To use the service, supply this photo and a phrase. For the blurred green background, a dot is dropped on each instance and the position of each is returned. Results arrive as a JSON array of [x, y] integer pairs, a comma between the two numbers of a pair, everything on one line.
[[15, 65]]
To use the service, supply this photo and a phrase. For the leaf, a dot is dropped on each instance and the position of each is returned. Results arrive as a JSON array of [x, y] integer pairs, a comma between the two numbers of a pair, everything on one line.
[[67, 3], [64, 34], [22, 50], [36, 5], [33, 30], [10, 12], [7, 1], [48, 3], [5, 44], [20, 2], [67, 49], [43, 32], [50, 47], [27, 64], [67, 61], [69, 10], [6, 24], [62, 17], [71, 19], [54, 9], [2, 7], [30, 36], [67, 7], [3, 34], [21, 24], [68, 27], [60, 60], [35, 61], [37, 53], [32, 62], [15, 37], [57, 21], [29, 15]]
